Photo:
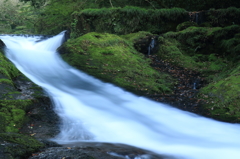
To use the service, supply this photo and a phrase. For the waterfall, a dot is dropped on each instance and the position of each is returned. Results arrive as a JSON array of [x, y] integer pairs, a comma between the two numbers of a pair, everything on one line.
[[92, 110]]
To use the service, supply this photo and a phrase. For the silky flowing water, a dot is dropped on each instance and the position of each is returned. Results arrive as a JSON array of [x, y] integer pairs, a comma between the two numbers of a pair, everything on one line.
[[92, 110]]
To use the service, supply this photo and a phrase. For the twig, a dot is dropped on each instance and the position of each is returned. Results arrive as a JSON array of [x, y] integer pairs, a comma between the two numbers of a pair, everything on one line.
[[111, 3], [151, 4]]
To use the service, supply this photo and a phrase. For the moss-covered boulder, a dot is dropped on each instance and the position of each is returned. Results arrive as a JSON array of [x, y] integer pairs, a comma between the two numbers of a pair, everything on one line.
[[114, 59]]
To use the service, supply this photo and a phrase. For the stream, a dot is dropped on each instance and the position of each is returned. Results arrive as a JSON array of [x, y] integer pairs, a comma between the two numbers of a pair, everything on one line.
[[94, 111]]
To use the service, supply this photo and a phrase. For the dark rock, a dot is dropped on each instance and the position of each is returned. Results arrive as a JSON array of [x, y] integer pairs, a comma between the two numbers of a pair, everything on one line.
[[17, 146], [43, 121], [147, 45], [197, 17], [2, 45], [86, 150]]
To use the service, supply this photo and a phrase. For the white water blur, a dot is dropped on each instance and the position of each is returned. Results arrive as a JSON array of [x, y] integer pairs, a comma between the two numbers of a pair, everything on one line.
[[95, 111]]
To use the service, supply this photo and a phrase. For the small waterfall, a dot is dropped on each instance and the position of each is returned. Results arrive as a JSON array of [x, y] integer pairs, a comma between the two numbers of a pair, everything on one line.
[[101, 112], [151, 46], [194, 85]]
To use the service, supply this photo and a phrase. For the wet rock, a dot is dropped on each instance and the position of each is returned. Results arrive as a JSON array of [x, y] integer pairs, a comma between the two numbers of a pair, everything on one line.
[[2, 45], [147, 45], [197, 17], [86, 150], [43, 121]]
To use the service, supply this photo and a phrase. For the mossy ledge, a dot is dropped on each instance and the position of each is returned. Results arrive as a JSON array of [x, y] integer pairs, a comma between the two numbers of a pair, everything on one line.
[[114, 59], [127, 20]]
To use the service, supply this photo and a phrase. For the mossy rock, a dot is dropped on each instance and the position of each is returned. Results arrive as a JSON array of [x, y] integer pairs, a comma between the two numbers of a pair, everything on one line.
[[114, 59], [13, 114], [18, 146], [223, 97]]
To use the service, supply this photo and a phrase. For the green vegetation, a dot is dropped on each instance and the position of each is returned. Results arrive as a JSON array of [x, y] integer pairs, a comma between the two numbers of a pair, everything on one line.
[[134, 37], [8, 69], [128, 20], [16, 17], [185, 25], [113, 59]]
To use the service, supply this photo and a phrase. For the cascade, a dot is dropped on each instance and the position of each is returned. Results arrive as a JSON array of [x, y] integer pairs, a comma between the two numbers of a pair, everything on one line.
[[92, 110]]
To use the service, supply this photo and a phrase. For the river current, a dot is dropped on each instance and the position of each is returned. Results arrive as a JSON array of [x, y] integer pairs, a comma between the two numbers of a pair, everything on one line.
[[94, 111]]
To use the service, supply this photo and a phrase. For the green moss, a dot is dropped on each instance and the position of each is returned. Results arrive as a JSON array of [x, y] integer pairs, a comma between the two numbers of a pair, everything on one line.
[[12, 71], [133, 37], [185, 25], [22, 146], [12, 113], [113, 59], [223, 97], [128, 20], [7, 81]]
